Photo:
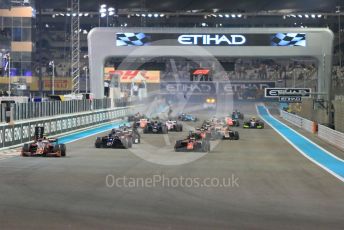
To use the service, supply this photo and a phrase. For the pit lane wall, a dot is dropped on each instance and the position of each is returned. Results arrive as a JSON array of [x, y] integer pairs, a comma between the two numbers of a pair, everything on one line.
[[23, 131], [338, 105], [300, 122], [325, 133], [334, 137]]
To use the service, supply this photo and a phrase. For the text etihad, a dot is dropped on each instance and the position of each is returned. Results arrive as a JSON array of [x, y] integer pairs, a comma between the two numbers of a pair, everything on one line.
[[211, 39]]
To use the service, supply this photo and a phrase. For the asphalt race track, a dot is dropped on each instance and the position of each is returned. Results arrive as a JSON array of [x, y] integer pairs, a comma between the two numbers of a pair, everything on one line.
[[273, 187]]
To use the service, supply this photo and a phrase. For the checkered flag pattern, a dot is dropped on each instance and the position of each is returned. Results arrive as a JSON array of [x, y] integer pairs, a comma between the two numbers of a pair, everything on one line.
[[289, 39], [131, 39]]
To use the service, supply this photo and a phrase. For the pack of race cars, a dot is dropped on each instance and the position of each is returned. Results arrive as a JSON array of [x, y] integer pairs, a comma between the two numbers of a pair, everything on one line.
[[126, 136], [197, 140]]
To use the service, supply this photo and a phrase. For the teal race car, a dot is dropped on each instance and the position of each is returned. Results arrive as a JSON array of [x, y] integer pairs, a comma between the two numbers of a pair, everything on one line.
[[187, 117]]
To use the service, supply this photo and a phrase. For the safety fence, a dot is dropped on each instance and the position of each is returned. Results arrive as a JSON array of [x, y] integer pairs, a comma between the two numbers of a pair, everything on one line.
[[23, 131], [325, 133], [300, 122], [30, 110], [332, 136]]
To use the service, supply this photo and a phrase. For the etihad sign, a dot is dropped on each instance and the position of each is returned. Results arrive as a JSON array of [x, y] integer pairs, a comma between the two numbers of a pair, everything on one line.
[[211, 39], [295, 92]]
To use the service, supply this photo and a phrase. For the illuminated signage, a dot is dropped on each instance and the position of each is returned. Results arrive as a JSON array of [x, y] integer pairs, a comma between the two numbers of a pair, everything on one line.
[[291, 99], [288, 92], [128, 76], [211, 39], [201, 72], [213, 88], [187, 87]]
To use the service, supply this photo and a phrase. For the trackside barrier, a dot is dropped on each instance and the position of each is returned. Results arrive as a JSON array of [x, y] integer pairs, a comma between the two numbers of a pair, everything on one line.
[[309, 126], [30, 110], [23, 131], [332, 136]]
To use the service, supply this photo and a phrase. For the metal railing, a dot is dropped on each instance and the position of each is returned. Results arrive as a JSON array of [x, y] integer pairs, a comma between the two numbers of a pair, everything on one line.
[[325, 133], [23, 131], [332, 136], [30, 110], [298, 121]]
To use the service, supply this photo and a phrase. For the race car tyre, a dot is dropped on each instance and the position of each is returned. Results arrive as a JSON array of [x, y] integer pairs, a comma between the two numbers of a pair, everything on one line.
[[179, 128], [125, 143], [177, 146], [213, 134], [204, 146], [130, 143], [56, 149], [62, 149], [236, 135], [98, 143], [199, 147], [26, 148]]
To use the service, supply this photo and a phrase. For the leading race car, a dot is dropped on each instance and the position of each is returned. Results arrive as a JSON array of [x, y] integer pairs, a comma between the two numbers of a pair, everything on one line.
[[253, 123], [43, 146], [187, 117], [118, 139], [193, 143], [174, 126], [156, 127], [209, 103]]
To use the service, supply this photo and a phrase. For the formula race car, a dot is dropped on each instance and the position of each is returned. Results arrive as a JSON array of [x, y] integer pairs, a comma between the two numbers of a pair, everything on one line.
[[174, 126], [133, 132], [43, 147], [224, 133], [118, 139], [219, 130], [155, 127], [210, 103], [136, 117], [237, 115], [232, 122], [253, 124], [204, 133], [142, 123], [187, 117], [193, 143]]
